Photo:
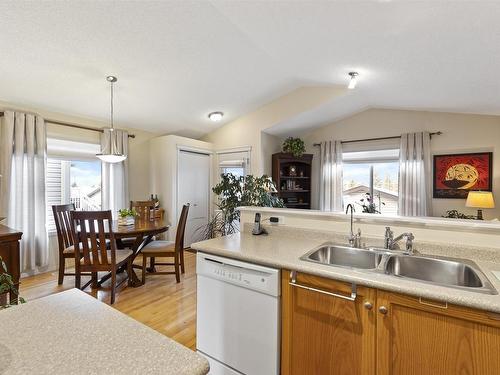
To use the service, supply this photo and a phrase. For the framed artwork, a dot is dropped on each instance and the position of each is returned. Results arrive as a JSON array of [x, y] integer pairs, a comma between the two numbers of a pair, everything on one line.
[[457, 174]]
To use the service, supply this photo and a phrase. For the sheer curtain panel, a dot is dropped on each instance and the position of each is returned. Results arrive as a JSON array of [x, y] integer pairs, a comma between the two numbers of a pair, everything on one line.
[[415, 175], [23, 157], [330, 184], [115, 175]]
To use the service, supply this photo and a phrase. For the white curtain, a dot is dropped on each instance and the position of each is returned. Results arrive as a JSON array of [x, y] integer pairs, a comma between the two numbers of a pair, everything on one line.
[[115, 175], [23, 156], [415, 175], [330, 184]]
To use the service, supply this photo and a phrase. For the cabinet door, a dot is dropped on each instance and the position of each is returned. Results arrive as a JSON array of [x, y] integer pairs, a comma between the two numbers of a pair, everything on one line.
[[325, 334], [417, 336]]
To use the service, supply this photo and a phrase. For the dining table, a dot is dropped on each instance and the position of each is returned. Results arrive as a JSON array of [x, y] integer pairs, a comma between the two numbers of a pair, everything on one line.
[[135, 237]]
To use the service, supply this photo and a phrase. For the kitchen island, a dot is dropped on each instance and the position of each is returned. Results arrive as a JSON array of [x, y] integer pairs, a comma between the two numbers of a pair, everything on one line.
[[73, 333]]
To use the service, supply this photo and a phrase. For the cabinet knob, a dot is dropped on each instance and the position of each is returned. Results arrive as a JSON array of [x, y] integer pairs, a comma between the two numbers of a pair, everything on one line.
[[368, 305], [383, 310]]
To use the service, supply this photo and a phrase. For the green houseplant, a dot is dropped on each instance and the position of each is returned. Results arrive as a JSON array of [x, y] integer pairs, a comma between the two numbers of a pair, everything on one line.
[[236, 191], [126, 216], [294, 146], [7, 286]]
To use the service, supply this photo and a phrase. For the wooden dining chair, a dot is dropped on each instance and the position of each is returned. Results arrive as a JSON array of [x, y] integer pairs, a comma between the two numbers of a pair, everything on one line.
[[65, 241], [160, 248], [92, 255]]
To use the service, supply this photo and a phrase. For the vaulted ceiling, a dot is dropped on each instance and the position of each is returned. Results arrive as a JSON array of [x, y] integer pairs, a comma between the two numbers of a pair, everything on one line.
[[178, 60]]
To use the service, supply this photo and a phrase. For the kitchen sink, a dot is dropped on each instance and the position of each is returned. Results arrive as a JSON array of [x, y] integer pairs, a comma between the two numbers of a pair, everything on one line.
[[447, 272], [450, 272], [344, 256]]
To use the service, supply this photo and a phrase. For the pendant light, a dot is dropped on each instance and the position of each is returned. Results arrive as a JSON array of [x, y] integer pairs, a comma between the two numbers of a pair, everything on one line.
[[110, 152]]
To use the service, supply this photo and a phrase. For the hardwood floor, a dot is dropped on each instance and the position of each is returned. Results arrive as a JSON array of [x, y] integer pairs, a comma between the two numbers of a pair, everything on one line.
[[161, 303]]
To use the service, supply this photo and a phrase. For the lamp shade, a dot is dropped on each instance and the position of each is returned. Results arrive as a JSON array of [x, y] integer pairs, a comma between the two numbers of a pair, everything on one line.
[[480, 199]]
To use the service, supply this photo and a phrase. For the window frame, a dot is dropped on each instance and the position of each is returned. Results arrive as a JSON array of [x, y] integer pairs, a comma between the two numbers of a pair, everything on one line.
[[372, 161], [68, 157]]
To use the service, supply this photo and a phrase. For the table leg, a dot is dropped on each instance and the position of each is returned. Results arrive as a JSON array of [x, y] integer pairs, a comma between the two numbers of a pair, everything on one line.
[[139, 243]]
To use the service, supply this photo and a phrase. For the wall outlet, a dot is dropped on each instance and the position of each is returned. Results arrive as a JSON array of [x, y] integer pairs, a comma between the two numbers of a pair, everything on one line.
[[277, 220]]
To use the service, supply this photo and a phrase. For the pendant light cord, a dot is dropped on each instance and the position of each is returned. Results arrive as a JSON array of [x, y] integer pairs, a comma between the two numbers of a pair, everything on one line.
[[113, 140], [112, 123]]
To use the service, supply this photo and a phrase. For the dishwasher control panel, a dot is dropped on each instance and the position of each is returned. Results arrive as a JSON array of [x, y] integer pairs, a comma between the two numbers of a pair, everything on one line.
[[248, 275]]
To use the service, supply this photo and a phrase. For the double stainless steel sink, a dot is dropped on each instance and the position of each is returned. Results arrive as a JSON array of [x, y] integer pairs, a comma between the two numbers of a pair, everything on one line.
[[456, 273]]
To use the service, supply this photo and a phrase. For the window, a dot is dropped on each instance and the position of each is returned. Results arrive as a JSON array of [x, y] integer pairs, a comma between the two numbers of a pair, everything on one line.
[[236, 162], [72, 177], [372, 174]]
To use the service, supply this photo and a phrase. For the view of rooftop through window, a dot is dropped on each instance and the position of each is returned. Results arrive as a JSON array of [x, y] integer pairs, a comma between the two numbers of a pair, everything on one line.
[[356, 183]]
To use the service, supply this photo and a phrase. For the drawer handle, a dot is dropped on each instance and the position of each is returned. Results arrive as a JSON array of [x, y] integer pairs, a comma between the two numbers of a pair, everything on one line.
[[436, 304], [293, 282]]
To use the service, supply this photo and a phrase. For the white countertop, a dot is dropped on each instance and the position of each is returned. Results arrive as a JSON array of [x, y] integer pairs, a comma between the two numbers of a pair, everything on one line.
[[73, 333], [282, 251]]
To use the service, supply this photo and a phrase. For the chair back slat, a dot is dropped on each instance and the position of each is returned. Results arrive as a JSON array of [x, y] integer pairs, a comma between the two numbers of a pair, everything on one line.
[[145, 209], [63, 225], [93, 243], [102, 243], [181, 228]]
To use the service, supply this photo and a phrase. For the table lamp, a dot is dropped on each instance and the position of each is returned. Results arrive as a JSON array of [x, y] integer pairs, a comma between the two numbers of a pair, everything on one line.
[[480, 200]]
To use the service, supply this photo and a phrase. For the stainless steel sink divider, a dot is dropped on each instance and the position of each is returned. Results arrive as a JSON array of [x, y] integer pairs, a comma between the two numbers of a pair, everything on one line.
[[293, 282]]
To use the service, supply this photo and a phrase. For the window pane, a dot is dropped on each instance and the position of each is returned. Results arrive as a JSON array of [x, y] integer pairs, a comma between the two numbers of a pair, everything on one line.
[[356, 183], [85, 180], [385, 184], [236, 171], [77, 182]]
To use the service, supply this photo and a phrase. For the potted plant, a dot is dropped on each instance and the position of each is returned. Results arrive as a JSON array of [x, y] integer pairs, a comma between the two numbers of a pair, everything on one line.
[[7, 287], [233, 192], [369, 206], [126, 216], [294, 146]]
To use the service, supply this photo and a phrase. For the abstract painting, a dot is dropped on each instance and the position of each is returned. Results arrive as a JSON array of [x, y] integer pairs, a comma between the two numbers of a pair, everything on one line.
[[457, 174]]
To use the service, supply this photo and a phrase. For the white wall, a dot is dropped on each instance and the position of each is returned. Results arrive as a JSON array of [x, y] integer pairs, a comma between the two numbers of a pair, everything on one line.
[[248, 130], [462, 133], [270, 144], [163, 152]]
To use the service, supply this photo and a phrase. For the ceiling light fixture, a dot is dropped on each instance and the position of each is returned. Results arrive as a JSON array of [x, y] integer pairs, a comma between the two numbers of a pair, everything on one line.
[[215, 116], [110, 153], [354, 80]]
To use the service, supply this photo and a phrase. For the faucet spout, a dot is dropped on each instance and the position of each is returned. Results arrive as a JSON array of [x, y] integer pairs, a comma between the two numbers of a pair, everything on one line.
[[354, 239], [391, 242]]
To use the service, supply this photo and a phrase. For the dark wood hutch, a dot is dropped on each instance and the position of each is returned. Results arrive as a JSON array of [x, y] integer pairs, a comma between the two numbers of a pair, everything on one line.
[[292, 176]]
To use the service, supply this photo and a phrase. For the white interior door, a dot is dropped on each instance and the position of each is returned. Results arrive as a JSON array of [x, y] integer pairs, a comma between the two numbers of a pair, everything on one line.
[[193, 188]]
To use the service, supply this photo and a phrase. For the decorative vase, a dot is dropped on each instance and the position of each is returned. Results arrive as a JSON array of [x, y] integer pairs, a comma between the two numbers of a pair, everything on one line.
[[125, 221]]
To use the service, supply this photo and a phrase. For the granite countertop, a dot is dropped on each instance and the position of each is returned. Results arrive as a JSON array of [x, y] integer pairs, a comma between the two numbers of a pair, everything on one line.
[[73, 333], [283, 250]]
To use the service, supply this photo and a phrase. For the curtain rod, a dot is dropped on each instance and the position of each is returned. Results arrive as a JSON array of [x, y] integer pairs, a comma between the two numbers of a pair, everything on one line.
[[377, 139], [76, 126]]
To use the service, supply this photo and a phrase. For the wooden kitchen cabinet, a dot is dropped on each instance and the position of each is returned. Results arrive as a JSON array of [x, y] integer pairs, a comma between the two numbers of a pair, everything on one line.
[[324, 334], [417, 336], [398, 335]]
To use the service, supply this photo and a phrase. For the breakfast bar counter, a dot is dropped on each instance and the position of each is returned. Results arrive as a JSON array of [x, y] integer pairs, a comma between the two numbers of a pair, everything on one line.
[[73, 333]]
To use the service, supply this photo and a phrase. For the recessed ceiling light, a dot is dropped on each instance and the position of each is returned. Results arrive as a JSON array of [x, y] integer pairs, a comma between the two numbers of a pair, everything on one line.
[[215, 116], [354, 80]]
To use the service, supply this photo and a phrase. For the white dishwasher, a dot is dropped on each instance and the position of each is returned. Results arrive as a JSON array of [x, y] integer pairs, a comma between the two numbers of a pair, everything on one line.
[[238, 316]]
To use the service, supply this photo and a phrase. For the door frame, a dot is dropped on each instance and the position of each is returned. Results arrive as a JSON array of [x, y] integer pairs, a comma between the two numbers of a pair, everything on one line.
[[193, 150]]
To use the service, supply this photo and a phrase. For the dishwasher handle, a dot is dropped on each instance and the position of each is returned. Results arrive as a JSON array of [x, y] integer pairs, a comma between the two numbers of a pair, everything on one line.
[[293, 282]]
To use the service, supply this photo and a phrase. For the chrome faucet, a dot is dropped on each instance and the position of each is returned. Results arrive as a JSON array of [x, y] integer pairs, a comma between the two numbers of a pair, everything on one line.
[[390, 241], [354, 239]]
